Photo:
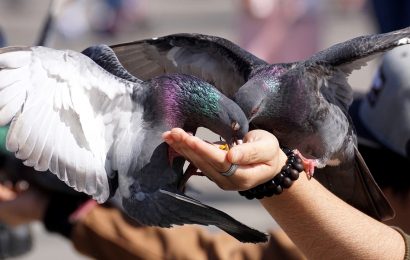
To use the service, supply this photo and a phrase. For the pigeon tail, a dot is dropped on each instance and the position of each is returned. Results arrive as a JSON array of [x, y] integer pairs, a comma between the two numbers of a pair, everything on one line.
[[205, 215], [166, 209], [380, 207]]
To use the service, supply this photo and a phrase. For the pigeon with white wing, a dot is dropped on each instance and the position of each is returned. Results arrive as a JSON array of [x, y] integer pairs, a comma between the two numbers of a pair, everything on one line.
[[99, 128]]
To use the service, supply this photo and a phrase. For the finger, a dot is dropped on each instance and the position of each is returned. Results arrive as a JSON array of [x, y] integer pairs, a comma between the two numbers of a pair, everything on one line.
[[212, 161], [259, 151], [6, 193], [207, 157]]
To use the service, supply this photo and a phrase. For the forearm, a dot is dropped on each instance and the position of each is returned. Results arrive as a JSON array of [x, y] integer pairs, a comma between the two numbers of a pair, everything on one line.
[[341, 231]]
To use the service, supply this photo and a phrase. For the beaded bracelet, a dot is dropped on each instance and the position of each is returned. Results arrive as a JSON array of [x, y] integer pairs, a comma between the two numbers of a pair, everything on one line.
[[283, 180]]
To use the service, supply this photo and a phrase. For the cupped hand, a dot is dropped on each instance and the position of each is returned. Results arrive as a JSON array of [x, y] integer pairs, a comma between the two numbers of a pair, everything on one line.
[[259, 158]]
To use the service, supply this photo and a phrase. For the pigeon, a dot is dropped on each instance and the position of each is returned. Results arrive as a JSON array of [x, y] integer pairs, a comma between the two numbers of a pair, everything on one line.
[[99, 130], [304, 103]]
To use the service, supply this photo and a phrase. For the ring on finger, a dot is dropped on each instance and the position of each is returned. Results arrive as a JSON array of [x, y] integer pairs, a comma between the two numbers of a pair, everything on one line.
[[231, 171]]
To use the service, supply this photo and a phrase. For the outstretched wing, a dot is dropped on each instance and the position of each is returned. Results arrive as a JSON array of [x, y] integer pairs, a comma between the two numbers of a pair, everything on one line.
[[352, 54], [337, 62], [66, 113], [214, 59]]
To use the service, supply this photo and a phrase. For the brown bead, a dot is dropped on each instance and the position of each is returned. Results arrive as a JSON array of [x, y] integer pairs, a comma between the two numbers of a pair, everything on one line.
[[278, 190], [286, 183], [293, 174], [298, 167]]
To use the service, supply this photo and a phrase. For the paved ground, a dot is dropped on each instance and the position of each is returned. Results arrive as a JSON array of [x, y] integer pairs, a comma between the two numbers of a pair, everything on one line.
[[21, 22]]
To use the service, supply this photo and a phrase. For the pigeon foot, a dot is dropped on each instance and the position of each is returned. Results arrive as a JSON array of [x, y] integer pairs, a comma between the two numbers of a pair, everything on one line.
[[308, 164], [189, 172]]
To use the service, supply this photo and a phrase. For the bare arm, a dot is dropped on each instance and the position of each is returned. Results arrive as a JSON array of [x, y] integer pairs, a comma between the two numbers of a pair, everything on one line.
[[319, 223]]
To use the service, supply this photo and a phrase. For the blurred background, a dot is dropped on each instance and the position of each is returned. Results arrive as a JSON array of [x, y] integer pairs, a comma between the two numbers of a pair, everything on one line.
[[277, 31]]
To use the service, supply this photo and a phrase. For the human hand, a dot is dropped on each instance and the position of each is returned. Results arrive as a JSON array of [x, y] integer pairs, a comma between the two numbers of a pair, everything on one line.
[[259, 158]]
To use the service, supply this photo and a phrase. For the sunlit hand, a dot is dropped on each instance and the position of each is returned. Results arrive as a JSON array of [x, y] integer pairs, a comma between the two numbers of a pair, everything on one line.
[[259, 157]]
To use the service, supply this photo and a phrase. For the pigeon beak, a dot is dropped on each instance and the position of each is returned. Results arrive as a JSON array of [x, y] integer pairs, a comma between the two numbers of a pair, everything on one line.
[[235, 126]]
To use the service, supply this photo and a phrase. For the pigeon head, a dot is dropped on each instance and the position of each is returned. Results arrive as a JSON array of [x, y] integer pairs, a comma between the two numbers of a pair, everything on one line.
[[257, 96], [190, 102]]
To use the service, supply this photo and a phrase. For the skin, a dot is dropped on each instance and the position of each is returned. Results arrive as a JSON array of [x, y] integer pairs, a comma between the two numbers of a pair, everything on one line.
[[319, 223], [21, 205]]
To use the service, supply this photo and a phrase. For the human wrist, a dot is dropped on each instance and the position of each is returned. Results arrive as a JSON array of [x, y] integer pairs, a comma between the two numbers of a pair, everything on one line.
[[288, 173]]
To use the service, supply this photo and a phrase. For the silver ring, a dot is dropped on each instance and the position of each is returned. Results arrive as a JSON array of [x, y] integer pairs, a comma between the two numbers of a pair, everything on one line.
[[231, 170]]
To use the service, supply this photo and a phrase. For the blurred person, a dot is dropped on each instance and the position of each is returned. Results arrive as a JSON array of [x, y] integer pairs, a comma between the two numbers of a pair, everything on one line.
[[279, 30], [104, 232], [79, 17], [14, 240], [391, 15]]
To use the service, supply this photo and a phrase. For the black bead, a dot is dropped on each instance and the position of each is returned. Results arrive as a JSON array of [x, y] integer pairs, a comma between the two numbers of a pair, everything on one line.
[[278, 190], [279, 177], [259, 196], [286, 169], [291, 160], [249, 196], [283, 180], [298, 160], [287, 182], [246, 194], [293, 174], [298, 166], [287, 151], [269, 193], [270, 184]]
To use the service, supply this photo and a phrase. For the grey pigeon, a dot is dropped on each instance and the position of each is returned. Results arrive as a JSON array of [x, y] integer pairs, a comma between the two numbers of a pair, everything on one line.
[[303, 103], [98, 132]]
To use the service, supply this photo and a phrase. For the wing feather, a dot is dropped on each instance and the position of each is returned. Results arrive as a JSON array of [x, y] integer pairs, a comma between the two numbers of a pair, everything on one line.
[[58, 103], [214, 59]]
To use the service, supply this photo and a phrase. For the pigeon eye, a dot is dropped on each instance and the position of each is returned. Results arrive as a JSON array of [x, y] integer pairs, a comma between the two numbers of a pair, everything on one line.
[[254, 111], [235, 126]]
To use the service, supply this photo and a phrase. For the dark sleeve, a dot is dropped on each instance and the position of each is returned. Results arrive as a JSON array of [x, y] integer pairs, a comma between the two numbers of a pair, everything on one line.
[[59, 209]]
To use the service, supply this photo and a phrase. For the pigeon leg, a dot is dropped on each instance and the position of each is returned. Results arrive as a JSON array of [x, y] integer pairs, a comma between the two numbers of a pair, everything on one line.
[[190, 171], [308, 164], [172, 154]]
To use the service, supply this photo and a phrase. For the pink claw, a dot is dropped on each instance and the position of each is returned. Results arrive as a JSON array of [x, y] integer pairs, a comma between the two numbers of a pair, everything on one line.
[[308, 164]]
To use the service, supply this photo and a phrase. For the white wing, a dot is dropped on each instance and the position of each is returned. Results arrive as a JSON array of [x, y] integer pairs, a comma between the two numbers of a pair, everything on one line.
[[66, 114]]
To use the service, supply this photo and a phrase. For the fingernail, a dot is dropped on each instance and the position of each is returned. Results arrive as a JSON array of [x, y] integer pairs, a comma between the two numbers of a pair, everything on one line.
[[168, 140], [236, 156]]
